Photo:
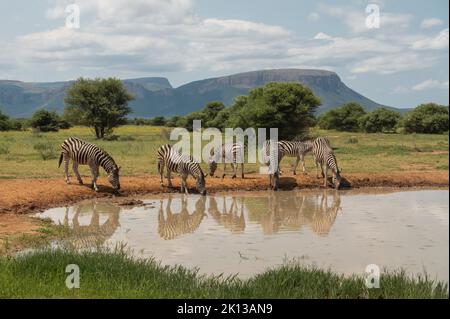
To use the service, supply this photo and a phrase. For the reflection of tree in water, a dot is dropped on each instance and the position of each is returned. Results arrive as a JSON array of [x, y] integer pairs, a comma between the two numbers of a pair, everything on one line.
[[232, 219], [93, 234], [285, 210], [174, 225]]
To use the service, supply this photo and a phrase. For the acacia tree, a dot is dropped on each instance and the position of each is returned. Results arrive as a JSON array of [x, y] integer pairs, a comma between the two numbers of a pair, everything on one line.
[[99, 103]]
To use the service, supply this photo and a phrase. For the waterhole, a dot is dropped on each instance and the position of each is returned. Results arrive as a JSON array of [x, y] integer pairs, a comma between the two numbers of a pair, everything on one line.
[[246, 233]]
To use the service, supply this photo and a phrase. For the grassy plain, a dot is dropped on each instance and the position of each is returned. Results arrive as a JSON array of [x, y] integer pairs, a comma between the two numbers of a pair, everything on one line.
[[35, 155], [114, 275]]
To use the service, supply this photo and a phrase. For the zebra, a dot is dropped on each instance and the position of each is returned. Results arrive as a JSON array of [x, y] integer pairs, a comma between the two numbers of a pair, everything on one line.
[[183, 164], [84, 153], [296, 149], [227, 153], [324, 156], [272, 157]]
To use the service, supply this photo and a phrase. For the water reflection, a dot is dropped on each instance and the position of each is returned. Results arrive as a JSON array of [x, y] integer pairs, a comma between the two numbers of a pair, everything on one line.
[[172, 225], [94, 232], [233, 218]]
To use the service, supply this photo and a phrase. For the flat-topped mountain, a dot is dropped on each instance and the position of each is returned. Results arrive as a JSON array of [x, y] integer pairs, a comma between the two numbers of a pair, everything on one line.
[[155, 95]]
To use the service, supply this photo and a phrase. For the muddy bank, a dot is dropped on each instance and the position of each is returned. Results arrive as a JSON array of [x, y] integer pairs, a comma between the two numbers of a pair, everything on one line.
[[23, 196]]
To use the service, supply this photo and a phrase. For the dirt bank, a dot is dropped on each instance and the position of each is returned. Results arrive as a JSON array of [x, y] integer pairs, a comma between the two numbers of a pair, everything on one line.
[[32, 195]]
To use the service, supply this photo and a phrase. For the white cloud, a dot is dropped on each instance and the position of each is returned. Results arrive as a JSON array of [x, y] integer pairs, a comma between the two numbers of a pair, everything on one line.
[[393, 63], [355, 18], [430, 23], [440, 41], [431, 84]]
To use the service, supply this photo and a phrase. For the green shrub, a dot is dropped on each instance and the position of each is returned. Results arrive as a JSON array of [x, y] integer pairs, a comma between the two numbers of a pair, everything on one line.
[[45, 121], [427, 118], [4, 149], [352, 140], [345, 118], [380, 120], [45, 150]]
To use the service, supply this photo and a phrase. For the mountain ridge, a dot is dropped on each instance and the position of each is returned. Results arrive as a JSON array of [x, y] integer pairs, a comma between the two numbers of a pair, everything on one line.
[[155, 96]]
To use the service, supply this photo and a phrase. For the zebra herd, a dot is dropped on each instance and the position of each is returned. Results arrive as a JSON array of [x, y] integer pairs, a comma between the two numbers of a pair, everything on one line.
[[171, 159]]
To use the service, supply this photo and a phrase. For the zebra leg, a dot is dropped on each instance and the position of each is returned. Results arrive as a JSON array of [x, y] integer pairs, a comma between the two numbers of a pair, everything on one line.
[[325, 176], [184, 183], [224, 169], [296, 164], [94, 173], [161, 172], [234, 167], [169, 178], [77, 174], [66, 167], [302, 159]]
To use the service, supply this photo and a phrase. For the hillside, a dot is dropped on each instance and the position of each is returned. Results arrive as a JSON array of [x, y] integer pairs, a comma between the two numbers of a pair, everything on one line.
[[155, 95]]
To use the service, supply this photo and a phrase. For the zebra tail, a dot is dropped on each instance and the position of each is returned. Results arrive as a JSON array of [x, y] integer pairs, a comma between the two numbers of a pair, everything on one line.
[[60, 160]]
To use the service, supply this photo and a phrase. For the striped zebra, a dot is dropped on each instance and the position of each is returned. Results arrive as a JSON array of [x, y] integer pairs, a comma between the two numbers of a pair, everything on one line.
[[183, 164], [84, 153], [324, 156], [227, 153], [272, 156], [296, 149]]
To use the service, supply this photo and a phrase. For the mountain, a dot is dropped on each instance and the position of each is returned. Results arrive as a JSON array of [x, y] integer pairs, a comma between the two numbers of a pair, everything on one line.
[[155, 96]]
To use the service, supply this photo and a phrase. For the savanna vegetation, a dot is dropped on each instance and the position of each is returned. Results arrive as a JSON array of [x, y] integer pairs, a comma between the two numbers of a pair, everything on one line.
[[112, 274], [24, 154]]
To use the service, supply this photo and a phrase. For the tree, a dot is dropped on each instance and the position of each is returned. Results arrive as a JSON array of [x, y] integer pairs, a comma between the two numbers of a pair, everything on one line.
[[286, 106], [158, 121], [379, 120], [344, 118], [100, 103], [427, 118], [45, 121], [5, 123]]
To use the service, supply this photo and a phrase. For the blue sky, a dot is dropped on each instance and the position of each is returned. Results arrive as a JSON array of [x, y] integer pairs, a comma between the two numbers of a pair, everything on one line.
[[402, 63]]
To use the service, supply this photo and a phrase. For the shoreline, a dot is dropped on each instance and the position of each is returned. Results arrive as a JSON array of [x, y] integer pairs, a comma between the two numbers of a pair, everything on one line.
[[26, 196]]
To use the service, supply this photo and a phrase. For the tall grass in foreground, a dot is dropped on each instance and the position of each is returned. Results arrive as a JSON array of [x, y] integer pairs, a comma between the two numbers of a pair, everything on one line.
[[115, 275]]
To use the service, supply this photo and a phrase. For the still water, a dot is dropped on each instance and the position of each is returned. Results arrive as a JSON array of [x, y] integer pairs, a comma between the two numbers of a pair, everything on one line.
[[246, 233]]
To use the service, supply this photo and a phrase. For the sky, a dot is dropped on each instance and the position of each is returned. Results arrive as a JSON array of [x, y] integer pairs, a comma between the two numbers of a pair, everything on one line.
[[400, 59]]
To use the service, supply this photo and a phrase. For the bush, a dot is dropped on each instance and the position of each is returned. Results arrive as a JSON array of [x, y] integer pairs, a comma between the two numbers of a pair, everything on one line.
[[158, 121], [45, 121], [344, 118], [5, 123], [4, 149], [380, 120], [45, 150], [427, 118], [352, 140]]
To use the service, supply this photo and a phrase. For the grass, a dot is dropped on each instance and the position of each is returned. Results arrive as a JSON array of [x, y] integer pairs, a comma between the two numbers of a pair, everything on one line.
[[107, 274], [31, 155]]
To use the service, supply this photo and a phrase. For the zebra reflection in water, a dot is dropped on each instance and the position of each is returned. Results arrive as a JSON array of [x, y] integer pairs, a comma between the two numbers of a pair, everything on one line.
[[232, 219], [294, 213], [173, 225], [93, 234]]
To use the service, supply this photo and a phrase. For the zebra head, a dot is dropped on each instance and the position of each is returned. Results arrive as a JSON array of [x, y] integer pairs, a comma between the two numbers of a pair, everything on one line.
[[337, 178], [212, 167], [201, 184], [113, 178]]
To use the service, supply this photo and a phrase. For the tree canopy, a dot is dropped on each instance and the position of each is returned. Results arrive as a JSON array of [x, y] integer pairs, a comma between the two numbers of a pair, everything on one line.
[[427, 118], [45, 121], [344, 118], [99, 103], [380, 120]]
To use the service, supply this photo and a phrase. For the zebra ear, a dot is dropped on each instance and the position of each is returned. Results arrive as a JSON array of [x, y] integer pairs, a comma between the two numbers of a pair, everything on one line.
[[118, 168]]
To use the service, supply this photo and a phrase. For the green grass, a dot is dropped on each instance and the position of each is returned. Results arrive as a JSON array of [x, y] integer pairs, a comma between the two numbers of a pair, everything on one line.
[[31, 155], [115, 275]]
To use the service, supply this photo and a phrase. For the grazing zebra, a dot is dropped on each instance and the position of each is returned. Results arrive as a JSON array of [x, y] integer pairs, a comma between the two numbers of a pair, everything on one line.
[[324, 156], [84, 153], [183, 164], [296, 149], [227, 153], [272, 157]]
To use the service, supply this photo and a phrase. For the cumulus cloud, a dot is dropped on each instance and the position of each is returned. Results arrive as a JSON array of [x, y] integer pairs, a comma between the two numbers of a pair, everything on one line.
[[437, 42], [430, 23], [431, 84]]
